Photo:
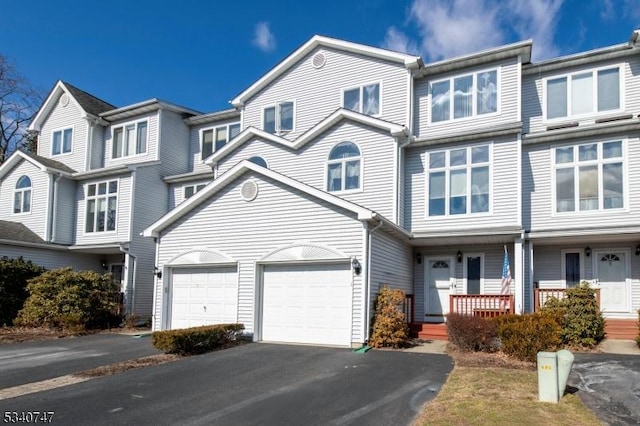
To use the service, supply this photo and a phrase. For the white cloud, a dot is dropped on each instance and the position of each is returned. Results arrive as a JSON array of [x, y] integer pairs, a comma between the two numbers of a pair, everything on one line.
[[608, 10], [449, 28], [398, 41], [263, 38]]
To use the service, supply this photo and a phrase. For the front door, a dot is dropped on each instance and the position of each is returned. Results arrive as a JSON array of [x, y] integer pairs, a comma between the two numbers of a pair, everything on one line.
[[612, 278], [438, 285]]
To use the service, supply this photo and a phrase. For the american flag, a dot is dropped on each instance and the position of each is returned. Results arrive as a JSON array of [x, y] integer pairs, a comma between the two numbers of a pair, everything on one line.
[[506, 278]]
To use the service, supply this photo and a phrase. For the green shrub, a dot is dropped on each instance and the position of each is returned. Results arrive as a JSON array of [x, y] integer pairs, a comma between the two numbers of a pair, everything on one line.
[[582, 321], [471, 333], [197, 340], [72, 300], [390, 328], [523, 336], [14, 274]]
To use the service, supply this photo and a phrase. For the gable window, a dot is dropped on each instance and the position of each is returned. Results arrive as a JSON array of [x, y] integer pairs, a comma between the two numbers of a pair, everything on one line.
[[259, 161], [464, 96], [583, 93], [214, 139], [278, 118], [458, 181], [22, 195], [363, 99], [130, 139], [343, 168], [589, 177], [102, 200], [61, 141], [189, 190]]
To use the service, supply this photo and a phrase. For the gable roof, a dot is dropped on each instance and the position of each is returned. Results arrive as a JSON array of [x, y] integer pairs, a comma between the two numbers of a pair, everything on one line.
[[238, 170], [15, 231], [87, 101], [409, 61], [340, 114], [44, 164]]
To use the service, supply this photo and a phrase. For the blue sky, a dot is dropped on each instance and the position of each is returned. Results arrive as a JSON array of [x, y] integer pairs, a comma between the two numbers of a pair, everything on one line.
[[201, 54]]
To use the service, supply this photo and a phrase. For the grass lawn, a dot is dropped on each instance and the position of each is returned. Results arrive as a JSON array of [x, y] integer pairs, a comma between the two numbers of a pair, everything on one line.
[[500, 396]]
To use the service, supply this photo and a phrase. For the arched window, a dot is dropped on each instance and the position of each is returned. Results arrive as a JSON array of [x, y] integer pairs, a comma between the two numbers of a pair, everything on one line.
[[259, 161], [343, 168], [22, 196]]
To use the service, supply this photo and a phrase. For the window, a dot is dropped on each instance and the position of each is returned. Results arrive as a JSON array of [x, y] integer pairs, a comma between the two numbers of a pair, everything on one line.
[[343, 168], [464, 96], [278, 118], [363, 99], [214, 139], [583, 93], [22, 195], [473, 270], [189, 190], [589, 177], [102, 199], [458, 181], [130, 139], [62, 141], [259, 161], [572, 268]]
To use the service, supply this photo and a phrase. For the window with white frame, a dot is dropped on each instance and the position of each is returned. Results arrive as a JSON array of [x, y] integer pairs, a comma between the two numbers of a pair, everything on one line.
[[102, 201], [189, 190], [129, 139], [61, 141], [583, 93], [364, 99], [217, 137], [344, 167], [458, 181], [464, 96], [589, 177], [278, 118], [22, 195]]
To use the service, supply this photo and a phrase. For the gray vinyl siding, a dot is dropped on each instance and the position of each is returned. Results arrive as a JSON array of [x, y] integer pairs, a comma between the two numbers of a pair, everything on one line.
[[508, 92], [309, 163], [37, 218], [123, 218], [53, 258], [98, 148], [391, 263], [174, 143], [493, 259], [150, 204], [318, 92], [248, 231], [503, 210], [533, 102], [152, 141], [538, 191], [60, 118], [176, 191], [65, 216], [195, 147]]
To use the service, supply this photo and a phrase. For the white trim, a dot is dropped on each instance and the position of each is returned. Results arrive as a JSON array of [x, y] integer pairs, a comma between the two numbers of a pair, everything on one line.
[[277, 117], [452, 280], [295, 252], [106, 195], [361, 87], [563, 265], [214, 130], [136, 125], [22, 192], [62, 153], [465, 271], [199, 256], [343, 162]]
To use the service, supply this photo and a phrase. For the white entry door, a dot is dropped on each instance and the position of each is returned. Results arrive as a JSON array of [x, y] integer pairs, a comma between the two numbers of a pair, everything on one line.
[[438, 286], [612, 277]]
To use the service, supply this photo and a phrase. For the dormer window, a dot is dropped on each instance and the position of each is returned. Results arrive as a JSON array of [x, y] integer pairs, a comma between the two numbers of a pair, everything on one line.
[[61, 141], [22, 195], [130, 139], [464, 96], [279, 118], [214, 139], [363, 99], [343, 168], [583, 93]]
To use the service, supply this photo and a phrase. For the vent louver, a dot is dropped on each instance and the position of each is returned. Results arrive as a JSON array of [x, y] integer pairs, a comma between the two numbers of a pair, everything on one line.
[[249, 190], [318, 60], [64, 100]]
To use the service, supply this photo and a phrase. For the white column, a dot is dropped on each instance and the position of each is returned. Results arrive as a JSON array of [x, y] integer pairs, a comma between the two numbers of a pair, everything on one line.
[[530, 254], [519, 275]]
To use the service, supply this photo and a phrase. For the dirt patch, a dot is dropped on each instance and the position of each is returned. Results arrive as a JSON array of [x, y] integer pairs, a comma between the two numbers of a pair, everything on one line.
[[487, 360], [119, 367], [27, 334]]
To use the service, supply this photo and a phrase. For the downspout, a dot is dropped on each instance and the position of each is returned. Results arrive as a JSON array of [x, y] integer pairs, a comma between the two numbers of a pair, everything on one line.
[[368, 281]]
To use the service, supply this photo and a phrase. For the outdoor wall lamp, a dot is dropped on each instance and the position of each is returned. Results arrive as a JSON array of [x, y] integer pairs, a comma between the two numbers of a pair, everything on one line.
[[587, 251], [419, 257], [157, 272], [357, 267], [459, 256], [638, 250], [103, 263]]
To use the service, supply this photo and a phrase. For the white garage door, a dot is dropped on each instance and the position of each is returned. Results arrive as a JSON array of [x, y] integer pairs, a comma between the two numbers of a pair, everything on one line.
[[203, 296], [307, 304]]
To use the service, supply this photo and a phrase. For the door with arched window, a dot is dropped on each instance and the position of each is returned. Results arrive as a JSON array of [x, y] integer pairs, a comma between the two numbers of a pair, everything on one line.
[[612, 273]]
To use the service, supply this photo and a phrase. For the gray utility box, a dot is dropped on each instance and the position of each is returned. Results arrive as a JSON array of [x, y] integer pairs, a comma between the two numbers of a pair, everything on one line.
[[553, 373]]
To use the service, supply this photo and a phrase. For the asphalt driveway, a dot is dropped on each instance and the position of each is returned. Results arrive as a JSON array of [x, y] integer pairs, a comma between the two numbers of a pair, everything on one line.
[[259, 384]]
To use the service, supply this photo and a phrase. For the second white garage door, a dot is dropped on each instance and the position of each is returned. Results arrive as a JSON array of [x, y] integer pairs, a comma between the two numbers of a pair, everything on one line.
[[307, 304], [203, 296]]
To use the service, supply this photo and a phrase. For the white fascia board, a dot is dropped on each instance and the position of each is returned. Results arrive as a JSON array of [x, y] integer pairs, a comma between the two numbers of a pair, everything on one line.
[[18, 156], [201, 196], [409, 61]]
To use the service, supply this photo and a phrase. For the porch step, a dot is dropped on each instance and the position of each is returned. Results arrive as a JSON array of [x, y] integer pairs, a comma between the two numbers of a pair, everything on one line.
[[621, 328], [430, 331]]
